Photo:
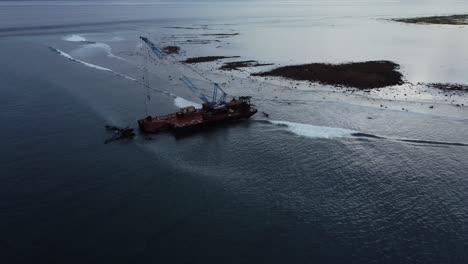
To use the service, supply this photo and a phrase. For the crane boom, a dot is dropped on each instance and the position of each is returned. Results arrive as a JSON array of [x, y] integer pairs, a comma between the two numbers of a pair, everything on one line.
[[187, 82], [158, 52]]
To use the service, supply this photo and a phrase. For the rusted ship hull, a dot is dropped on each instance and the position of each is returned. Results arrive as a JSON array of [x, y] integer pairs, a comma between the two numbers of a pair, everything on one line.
[[183, 130], [191, 122]]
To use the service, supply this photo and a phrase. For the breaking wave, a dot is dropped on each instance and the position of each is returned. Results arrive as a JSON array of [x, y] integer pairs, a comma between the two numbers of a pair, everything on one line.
[[68, 56], [311, 131], [74, 38], [93, 49], [181, 102]]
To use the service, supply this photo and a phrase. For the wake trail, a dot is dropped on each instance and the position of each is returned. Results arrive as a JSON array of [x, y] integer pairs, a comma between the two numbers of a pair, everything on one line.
[[365, 135], [430, 142], [313, 131], [408, 140], [69, 57], [178, 101]]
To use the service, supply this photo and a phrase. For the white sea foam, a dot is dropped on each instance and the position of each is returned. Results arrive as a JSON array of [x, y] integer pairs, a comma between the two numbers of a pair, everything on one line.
[[117, 39], [74, 38], [181, 102], [93, 49], [68, 56], [311, 131]]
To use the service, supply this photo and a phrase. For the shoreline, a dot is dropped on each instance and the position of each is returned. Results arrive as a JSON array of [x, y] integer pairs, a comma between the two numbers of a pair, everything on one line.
[[461, 19]]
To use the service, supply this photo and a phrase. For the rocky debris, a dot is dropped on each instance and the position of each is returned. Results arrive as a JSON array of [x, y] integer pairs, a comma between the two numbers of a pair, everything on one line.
[[196, 41], [221, 34], [449, 86], [203, 27], [235, 65], [171, 49], [207, 59]]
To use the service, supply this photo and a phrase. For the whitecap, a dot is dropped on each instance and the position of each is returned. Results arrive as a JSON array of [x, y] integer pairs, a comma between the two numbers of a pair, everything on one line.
[[181, 102], [311, 131], [74, 38]]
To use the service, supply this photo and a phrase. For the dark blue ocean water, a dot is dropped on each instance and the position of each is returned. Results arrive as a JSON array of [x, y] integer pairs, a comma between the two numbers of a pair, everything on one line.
[[252, 192]]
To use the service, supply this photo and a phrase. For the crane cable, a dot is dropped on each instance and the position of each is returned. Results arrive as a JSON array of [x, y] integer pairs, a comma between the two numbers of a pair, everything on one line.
[[174, 61]]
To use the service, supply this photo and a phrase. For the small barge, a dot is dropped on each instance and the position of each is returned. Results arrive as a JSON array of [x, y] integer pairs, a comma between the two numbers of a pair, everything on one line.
[[190, 119]]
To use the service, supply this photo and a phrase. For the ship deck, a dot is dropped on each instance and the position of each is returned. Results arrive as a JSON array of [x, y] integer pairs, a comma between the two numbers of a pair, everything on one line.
[[184, 121]]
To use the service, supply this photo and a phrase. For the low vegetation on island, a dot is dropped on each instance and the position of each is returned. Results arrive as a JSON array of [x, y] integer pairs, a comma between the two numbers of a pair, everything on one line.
[[436, 20], [361, 75]]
